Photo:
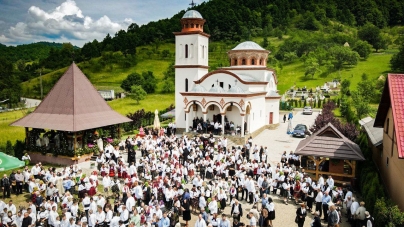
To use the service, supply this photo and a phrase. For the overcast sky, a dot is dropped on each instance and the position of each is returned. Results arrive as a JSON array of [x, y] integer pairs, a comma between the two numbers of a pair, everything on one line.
[[78, 21]]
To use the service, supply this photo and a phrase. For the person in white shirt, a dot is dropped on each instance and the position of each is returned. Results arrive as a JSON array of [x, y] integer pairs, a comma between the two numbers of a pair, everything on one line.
[[11, 207], [319, 202], [86, 203], [124, 215], [354, 207], [202, 202], [130, 202], [92, 220], [253, 220], [108, 216], [330, 182], [213, 206], [200, 222], [100, 216]]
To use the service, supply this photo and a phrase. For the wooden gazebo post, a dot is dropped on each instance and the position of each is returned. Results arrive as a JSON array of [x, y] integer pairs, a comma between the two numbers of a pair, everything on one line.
[[26, 135], [74, 142]]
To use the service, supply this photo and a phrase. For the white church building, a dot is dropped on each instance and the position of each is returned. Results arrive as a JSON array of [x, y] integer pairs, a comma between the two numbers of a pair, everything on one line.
[[244, 93]]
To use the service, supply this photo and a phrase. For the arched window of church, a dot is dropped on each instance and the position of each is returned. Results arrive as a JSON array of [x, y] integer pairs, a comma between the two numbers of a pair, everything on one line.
[[186, 85], [186, 50], [253, 61], [243, 61], [260, 61], [197, 25], [192, 25]]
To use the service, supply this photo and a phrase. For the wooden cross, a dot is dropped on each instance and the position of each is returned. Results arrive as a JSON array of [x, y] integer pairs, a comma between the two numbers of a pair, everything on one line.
[[192, 4]]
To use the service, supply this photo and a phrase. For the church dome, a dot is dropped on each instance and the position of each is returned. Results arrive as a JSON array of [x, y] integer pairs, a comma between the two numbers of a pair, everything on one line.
[[198, 88], [192, 14], [236, 89], [217, 89], [248, 45]]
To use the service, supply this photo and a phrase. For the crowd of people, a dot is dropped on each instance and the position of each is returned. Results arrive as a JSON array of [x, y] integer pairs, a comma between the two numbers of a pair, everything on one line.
[[174, 177]]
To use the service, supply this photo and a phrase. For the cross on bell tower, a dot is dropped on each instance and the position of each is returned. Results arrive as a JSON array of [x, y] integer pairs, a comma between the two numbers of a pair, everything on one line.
[[192, 4]]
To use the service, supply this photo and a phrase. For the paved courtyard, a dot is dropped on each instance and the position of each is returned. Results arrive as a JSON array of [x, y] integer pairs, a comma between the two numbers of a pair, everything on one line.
[[277, 141]]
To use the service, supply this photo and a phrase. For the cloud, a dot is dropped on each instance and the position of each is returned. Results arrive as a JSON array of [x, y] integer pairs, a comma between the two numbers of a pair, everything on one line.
[[65, 22]]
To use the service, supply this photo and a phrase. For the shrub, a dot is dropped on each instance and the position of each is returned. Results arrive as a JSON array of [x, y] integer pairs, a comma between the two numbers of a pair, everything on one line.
[[387, 214]]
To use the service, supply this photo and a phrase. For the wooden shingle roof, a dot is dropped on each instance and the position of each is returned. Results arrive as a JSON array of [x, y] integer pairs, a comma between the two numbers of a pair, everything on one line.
[[330, 143], [72, 105]]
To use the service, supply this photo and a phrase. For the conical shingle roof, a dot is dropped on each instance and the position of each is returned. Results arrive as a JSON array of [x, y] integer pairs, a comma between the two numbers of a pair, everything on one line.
[[72, 105]]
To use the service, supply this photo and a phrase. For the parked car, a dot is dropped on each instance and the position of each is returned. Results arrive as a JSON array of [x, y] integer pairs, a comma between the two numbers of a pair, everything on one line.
[[307, 110], [300, 131]]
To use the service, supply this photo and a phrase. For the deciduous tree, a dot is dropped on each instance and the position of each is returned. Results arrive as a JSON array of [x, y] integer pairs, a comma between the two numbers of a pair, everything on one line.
[[138, 93]]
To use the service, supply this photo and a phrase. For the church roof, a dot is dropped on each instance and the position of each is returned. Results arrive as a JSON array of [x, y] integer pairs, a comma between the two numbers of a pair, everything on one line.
[[217, 89], [198, 88], [246, 78], [72, 105], [192, 14], [248, 45], [236, 89]]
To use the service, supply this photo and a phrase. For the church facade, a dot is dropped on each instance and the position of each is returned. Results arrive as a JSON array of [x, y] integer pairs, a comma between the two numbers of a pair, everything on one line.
[[244, 93]]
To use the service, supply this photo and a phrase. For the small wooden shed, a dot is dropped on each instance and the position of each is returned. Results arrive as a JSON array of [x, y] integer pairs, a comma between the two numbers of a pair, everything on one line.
[[329, 152]]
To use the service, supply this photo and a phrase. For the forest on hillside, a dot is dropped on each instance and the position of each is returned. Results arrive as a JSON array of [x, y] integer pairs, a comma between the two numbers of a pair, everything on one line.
[[316, 30]]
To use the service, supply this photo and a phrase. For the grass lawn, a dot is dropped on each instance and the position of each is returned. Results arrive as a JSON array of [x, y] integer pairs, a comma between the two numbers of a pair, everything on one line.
[[150, 103], [11, 133], [376, 65]]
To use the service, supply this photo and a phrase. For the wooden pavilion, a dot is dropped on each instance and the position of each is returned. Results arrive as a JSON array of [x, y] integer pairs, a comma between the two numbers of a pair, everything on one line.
[[329, 152], [67, 118]]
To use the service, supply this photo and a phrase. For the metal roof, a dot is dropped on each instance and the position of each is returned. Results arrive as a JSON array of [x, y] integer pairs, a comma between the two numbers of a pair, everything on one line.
[[393, 96], [72, 105], [330, 143], [192, 14], [198, 88], [375, 134], [248, 45]]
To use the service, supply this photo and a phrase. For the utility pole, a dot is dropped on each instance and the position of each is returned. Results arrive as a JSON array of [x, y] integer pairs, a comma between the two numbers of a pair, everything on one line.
[[40, 79]]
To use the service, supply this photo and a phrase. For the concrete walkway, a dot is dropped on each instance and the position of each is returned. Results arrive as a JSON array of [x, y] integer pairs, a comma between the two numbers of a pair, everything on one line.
[[277, 141]]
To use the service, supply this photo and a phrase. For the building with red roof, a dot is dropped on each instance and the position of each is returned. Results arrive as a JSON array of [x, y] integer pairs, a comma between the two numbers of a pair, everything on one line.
[[390, 117]]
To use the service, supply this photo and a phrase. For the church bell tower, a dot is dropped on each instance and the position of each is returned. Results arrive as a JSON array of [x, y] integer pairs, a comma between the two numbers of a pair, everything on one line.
[[191, 59]]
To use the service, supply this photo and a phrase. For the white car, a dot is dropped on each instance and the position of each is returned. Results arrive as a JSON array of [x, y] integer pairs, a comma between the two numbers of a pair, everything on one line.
[[307, 110]]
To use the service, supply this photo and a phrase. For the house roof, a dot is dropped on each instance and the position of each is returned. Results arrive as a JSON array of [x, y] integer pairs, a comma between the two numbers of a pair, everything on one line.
[[72, 105], [330, 143], [375, 134], [393, 96]]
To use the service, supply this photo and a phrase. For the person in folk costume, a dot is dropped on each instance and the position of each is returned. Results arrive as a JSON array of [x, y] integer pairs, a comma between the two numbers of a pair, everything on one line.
[[93, 187], [126, 189], [119, 170], [104, 170], [111, 169], [82, 189], [124, 171], [296, 191]]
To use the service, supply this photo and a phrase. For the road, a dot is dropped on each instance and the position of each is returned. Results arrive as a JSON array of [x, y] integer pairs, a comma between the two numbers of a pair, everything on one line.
[[31, 102]]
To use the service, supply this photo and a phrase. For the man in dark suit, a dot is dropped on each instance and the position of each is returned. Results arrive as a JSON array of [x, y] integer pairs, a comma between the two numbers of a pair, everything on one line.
[[301, 214], [5, 186], [27, 220], [236, 210]]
